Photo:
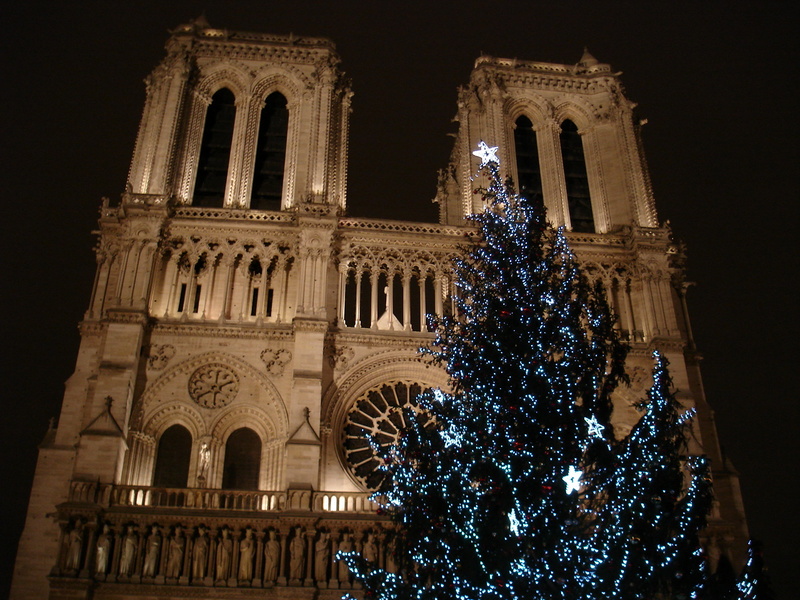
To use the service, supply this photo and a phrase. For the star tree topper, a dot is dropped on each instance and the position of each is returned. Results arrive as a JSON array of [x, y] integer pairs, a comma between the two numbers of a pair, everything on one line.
[[486, 153]]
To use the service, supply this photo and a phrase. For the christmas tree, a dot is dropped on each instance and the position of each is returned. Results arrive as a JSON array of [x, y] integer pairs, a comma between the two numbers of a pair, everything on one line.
[[650, 521], [754, 583], [507, 487]]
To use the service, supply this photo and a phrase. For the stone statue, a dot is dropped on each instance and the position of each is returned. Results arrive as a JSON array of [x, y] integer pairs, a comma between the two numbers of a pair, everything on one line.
[[175, 558], [297, 555], [391, 559], [346, 545], [224, 552], [370, 551], [200, 554], [127, 561], [204, 461], [103, 551], [272, 557], [75, 547], [322, 556], [246, 556], [152, 553]]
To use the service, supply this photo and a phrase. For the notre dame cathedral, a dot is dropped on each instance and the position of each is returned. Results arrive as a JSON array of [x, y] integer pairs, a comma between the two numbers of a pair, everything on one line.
[[243, 333]]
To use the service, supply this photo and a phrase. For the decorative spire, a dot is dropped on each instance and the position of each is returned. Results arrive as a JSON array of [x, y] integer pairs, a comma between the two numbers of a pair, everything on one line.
[[587, 60]]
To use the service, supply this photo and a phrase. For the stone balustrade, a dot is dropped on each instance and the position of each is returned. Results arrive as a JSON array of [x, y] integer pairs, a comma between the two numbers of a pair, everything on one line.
[[121, 535], [112, 495]]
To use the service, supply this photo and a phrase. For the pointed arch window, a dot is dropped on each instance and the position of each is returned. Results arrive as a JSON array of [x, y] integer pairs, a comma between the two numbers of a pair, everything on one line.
[[577, 180], [215, 150], [242, 460], [172, 458], [529, 172], [270, 154]]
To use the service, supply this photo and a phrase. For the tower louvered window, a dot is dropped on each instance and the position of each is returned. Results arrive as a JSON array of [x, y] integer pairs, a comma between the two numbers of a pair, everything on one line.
[[215, 150], [578, 199], [528, 169], [270, 154]]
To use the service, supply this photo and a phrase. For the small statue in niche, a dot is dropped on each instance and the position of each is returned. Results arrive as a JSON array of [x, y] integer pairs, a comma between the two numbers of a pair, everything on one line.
[[322, 556], [346, 545], [297, 553], [175, 558], [204, 460], [128, 559], [370, 550], [272, 556], [246, 556], [224, 551], [75, 547], [103, 551], [152, 552], [200, 554]]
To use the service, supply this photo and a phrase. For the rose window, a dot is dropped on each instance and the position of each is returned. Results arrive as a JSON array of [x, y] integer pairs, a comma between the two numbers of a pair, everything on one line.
[[378, 414], [213, 385]]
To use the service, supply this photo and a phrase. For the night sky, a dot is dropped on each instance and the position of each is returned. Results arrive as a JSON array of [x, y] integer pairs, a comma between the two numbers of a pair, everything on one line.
[[716, 82]]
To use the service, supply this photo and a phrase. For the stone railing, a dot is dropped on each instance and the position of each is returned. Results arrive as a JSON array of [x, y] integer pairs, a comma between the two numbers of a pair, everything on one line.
[[190, 212], [113, 496]]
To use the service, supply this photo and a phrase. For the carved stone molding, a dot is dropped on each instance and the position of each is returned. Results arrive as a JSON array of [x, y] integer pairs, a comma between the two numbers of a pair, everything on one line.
[[276, 360], [159, 355], [339, 357]]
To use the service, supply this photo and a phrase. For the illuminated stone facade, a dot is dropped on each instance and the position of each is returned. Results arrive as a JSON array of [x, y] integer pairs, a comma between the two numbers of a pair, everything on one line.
[[209, 441]]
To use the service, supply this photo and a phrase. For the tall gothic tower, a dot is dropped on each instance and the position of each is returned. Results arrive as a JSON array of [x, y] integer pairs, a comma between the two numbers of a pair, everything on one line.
[[243, 335]]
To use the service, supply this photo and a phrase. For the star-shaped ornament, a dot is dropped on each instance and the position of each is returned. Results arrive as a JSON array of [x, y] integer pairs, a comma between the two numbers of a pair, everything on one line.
[[486, 153], [513, 522], [573, 480], [595, 429], [451, 437]]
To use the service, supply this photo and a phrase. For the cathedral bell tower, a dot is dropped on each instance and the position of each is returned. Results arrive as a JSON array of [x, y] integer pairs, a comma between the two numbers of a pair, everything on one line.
[[225, 228], [568, 135]]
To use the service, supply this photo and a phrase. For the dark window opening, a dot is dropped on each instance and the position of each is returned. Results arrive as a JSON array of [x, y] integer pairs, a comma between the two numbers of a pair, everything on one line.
[[172, 458], [397, 297], [197, 290], [254, 303], [366, 300], [270, 154], [415, 302], [242, 460], [430, 300], [528, 169], [350, 300], [270, 297], [182, 298], [577, 180], [215, 150]]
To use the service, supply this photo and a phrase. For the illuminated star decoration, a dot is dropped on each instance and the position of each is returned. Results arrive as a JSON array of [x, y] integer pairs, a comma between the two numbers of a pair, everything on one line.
[[573, 480], [486, 153], [595, 429], [452, 436], [513, 522]]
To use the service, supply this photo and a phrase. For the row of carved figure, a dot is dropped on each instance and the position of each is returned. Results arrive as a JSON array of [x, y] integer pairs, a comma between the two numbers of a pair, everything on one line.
[[220, 556]]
